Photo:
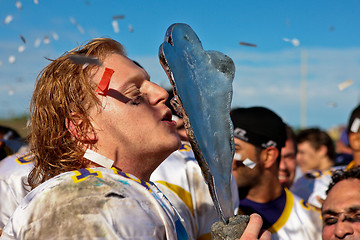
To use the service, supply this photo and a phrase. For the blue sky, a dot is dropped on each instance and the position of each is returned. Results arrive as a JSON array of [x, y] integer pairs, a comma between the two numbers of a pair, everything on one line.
[[267, 75]]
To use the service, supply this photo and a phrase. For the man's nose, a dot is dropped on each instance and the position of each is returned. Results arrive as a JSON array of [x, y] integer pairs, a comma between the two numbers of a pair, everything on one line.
[[343, 228], [156, 94]]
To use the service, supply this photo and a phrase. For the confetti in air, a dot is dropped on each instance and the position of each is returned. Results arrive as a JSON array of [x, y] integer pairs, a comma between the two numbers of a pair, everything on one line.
[[332, 104], [11, 92], [294, 41], [247, 44], [46, 39], [37, 42], [18, 4], [55, 36], [115, 26], [116, 17], [73, 21], [130, 27], [8, 19], [84, 60], [22, 39], [345, 84], [0, 63], [12, 59], [36, 2], [21, 48]]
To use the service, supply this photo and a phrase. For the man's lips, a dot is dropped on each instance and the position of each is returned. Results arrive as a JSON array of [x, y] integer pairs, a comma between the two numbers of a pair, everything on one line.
[[168, 118]]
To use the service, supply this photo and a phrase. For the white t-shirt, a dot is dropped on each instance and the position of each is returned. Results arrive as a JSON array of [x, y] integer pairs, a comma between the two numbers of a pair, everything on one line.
[[313, 184], [181, 173], [95, 203], [287, 217], [14, 172], [298, 221]]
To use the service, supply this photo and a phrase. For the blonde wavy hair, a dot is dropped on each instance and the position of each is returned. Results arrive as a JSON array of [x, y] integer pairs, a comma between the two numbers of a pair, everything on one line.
[[63, 88]]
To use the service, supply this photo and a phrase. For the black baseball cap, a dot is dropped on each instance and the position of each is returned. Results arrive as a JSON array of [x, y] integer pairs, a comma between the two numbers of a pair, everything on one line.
[[259, 126]]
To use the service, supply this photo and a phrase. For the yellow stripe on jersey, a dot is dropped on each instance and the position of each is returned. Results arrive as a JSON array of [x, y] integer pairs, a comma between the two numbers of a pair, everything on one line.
[[350, 165], [82, 174], [285, 214], [184, 195], [25, 159]]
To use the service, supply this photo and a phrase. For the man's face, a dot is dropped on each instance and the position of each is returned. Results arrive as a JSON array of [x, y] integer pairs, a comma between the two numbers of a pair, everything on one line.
[[134, 122], [341, 211], [307, 157], [287, 165], [245, 176], [354, 141]]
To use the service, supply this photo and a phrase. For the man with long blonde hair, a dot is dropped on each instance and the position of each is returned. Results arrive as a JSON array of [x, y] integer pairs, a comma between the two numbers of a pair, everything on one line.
[[99, 128]]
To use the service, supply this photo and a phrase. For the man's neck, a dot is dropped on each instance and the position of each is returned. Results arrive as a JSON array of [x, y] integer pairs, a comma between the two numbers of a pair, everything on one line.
[[326, 164], [356, 158], [263, 192]]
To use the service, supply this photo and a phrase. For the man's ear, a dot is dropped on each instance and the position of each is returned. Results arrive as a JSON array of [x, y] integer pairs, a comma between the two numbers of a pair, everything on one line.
[[75, 125], [270, 156], [323, 150]]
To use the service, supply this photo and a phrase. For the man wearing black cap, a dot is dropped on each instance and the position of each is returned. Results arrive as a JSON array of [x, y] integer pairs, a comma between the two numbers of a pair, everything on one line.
[[259, 136]]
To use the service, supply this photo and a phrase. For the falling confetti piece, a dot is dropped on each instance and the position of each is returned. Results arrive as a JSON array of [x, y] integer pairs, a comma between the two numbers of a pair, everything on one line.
[[18, 4], [332, 104], [247, 44], [331, 29], [37, 42], [8, 19], [36, 2], [46, 39], [345, 84], [55, 36], [73, 21], [130, 27], [12, 59], [288, 22], [11, 92], [118, 17], [22, 38], [115, 26], [294, 41], [21, 48], [0, 63], [86, 60]]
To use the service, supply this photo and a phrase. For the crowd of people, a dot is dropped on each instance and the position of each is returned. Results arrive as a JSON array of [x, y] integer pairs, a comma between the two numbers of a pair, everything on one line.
[[107, 158]]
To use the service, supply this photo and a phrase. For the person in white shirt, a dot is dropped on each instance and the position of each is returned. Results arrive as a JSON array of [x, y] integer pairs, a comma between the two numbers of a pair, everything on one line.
[[98, 131], [259, 136]]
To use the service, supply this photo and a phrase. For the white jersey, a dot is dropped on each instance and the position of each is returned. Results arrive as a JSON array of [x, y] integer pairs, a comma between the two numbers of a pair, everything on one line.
[[288, 217], [95, 203], [14, 172], [181, 173], [313, 185], [298, 221]]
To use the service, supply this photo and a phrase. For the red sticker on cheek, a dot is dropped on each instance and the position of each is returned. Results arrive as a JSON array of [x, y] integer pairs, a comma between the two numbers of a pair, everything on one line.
[[104, 82]]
